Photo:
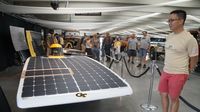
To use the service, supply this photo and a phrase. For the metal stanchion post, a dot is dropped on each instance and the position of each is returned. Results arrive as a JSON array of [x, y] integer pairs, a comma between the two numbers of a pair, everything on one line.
[[148, 106], [122, 65]]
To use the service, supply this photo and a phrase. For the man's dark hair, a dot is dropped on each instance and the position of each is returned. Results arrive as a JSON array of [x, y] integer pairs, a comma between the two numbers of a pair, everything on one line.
[[144, 31], [180, 13]]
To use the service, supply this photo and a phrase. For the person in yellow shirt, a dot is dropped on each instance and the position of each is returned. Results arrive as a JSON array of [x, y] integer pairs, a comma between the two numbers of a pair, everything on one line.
[[117, 47]]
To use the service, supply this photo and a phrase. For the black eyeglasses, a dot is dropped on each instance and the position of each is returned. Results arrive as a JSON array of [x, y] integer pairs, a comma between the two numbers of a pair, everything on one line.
[[172, 20]]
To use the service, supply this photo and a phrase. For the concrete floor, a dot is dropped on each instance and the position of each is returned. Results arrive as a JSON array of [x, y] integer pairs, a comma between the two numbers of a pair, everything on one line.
[[9, 80]]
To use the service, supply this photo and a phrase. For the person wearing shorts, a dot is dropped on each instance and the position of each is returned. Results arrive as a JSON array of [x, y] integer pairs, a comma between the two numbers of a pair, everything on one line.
[[132, 46], [143, 49], [181, 56]]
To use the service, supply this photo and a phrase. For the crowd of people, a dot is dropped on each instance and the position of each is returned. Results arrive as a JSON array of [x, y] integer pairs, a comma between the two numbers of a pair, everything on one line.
[[112, 47]]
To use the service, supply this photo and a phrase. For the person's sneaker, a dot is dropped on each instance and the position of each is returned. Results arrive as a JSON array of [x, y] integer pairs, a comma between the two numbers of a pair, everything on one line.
[[132, 62], [144, 66], [139, 65]]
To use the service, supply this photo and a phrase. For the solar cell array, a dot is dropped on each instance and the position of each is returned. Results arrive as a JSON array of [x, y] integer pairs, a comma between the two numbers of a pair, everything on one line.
[[53, 76]]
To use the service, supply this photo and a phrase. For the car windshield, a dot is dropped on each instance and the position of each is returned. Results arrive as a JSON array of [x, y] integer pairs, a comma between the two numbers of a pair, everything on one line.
[[157, 39]]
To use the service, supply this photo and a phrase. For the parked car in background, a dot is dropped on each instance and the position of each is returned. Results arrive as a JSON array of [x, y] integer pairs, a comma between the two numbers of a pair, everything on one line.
[[159, 45]]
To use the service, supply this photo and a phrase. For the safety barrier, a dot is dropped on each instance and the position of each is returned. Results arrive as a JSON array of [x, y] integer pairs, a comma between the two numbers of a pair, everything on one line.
[[148, 105]]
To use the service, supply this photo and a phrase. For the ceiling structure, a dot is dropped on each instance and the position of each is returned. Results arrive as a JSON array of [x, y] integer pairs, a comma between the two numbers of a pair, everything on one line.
[[115, 16]]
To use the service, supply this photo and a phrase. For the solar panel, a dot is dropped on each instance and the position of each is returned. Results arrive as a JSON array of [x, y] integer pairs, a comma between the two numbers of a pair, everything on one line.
[[52, 81]]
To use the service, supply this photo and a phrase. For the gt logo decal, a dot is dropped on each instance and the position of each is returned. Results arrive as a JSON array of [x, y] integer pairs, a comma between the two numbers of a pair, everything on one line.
[[81, 94]]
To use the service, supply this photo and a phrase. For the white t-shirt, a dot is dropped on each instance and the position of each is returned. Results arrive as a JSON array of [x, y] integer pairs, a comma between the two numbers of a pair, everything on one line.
[[132, 44], [178, 48], [145, 42]]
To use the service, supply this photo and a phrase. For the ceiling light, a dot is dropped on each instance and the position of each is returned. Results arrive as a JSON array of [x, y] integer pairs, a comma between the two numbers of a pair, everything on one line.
[[134, 31], [164, 22], [107, 30], [140, 29], [125, 22], [193, 18], [155, 28], [171, 3]]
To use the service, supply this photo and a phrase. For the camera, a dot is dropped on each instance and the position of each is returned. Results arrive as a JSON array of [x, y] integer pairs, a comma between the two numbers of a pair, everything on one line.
[[55, 5]]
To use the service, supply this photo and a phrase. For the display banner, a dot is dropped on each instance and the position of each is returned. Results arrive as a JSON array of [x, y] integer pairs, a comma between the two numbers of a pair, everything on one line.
[[18, 38]]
